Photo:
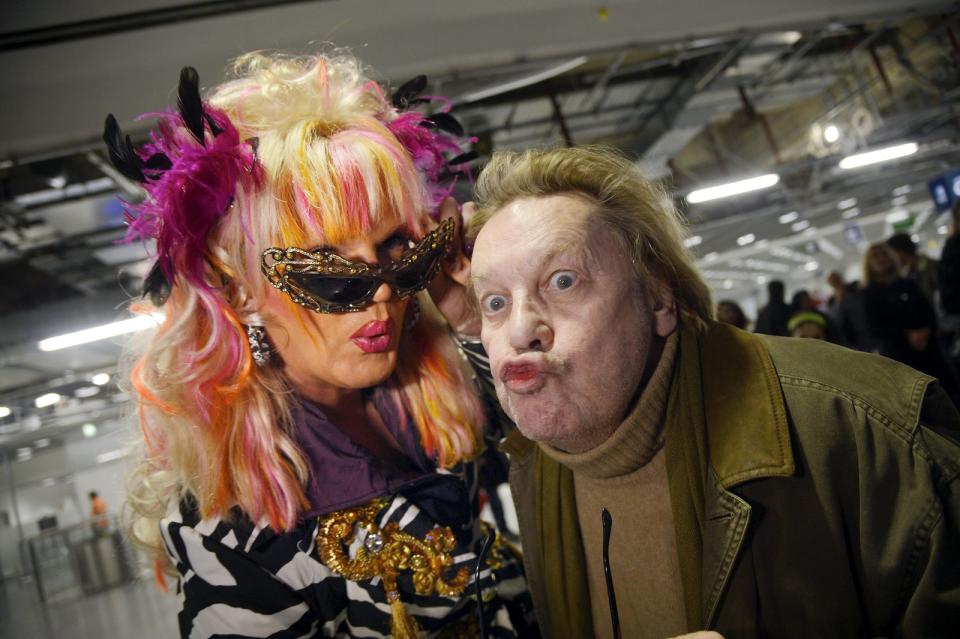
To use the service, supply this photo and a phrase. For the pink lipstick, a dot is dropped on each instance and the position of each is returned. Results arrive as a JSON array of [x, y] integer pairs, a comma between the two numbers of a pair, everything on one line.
[[374, 337]]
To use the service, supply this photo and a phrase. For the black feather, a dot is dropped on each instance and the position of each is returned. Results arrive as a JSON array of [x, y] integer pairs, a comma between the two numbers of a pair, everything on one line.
[[463, 158], [120, 150], [156, 286], [158, 162], [408, 92], [446, 122], [188, 100], [214, 127]]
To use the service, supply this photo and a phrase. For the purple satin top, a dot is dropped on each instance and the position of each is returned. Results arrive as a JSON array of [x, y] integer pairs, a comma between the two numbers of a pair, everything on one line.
[[344, 473]]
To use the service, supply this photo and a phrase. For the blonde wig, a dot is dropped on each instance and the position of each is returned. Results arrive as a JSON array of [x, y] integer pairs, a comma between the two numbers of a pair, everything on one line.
[[333, 163]]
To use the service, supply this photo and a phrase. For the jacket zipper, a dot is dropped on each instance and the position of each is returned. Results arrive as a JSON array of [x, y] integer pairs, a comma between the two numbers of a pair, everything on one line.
[[607, 574]]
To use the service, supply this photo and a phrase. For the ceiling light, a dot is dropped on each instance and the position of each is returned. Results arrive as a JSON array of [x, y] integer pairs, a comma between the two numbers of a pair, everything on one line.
[[831, 133], [942, 230], [23, 454], [693, 240], [811, 266], [86, 391], [711, 256], [112, 455], [799, 226], [761, 279], [901, 190], [727, 283], [899, 201], [48, 482], [104, 331], [733, 188], [4, 411], [849, 214], [743, 240], [100, 379], [89, 429], [42, 443], [47, 399], [525, 81], [916, 238], [846, 204], [896, 217], [878, 155], [787, 218]]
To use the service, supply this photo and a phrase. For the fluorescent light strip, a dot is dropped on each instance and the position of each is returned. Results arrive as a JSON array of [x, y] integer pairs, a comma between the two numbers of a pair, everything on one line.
[[787, 218], [97, 333], [47, 399], [525, 81], [879, 155], [733, 188]]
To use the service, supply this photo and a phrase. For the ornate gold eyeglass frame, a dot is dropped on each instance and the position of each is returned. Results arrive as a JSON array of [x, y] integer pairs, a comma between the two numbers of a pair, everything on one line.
[[281, 266]]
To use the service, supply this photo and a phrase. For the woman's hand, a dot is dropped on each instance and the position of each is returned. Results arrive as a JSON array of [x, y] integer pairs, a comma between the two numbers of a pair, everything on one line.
[[449, 288]]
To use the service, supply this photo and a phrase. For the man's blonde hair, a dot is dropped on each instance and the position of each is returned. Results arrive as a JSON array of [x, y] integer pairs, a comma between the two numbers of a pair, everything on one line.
[[638, 211]]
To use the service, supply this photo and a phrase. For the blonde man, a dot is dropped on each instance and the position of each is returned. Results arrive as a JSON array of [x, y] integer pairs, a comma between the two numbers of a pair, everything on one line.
[[674, 474]]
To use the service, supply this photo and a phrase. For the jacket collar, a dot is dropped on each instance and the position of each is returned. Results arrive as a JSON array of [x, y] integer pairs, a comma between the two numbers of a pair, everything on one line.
[[744, 408]]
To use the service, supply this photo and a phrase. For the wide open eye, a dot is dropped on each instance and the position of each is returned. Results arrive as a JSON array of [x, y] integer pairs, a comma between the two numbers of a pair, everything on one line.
[[335, 288], [493, 303], [563, 280]]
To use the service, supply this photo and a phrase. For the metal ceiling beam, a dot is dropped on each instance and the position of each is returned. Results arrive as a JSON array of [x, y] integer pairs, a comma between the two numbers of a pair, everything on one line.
[[125, 22]]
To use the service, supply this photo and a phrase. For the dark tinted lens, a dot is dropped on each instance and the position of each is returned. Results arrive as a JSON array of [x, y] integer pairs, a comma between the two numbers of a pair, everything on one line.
[[335, 289], [415, 276]]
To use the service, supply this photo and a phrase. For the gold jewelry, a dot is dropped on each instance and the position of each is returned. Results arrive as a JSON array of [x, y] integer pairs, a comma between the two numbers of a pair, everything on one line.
[[386, 553]]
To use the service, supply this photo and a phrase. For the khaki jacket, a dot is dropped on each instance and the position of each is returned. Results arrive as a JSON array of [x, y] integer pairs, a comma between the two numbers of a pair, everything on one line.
[[815, 494]]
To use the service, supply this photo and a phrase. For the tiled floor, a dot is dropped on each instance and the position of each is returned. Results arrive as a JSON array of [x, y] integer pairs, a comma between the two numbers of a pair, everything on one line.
[[136, 610]]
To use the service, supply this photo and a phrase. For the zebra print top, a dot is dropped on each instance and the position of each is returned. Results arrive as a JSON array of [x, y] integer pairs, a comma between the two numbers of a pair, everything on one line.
[[242, 579]]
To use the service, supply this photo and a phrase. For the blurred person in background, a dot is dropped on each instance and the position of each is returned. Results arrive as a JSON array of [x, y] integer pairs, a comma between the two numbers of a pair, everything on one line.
[[901, 319], [772, 318], [98, 512], [914, 265], [808, 324], [309, 428], [730, 312], [948, 280], [803, 303], [846, 310]]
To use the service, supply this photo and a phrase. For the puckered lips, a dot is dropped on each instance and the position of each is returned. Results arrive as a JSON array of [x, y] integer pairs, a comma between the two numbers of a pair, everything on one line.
[[523, 375], [374, 337]]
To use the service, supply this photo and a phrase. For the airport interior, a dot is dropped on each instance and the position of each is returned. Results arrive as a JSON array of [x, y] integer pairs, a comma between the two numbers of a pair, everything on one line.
[[792, 136]]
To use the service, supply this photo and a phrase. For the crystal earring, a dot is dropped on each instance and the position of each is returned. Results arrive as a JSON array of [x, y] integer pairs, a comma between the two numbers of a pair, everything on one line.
[[260, 347]]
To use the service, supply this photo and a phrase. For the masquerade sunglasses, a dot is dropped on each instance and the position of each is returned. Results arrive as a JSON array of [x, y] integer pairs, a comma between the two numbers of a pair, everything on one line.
[[324, 282]]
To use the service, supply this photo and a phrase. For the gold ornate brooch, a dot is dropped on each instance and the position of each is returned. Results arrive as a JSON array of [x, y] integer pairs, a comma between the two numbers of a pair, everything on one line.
[[386, 553]]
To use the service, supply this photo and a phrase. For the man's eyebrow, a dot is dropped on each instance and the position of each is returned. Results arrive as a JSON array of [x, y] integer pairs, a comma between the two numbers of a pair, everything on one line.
[[569, 246]]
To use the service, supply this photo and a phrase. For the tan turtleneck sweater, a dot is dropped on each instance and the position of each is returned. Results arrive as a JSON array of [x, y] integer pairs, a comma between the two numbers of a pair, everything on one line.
[[627, 475]]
